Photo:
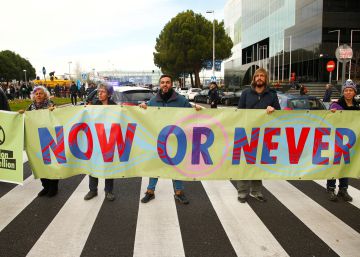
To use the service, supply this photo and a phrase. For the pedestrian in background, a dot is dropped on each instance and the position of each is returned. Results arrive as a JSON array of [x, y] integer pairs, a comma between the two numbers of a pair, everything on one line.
[[258, 96], [4, 104], [303, 90], [346, 102], [73, 93], [213, 94], [40, 97], [104, 94], [167, 97], [328, 93]]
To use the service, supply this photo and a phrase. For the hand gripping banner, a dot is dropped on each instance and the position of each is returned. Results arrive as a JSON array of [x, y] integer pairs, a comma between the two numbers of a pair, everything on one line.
[[181, 143]]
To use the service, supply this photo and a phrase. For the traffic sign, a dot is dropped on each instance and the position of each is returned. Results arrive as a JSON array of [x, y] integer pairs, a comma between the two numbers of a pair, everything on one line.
[[83, 76], [330, 66], [344, 53], [213, 78]]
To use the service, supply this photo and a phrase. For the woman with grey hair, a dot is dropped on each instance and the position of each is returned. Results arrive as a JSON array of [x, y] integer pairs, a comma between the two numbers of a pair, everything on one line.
[[40, 97], [104, 93]]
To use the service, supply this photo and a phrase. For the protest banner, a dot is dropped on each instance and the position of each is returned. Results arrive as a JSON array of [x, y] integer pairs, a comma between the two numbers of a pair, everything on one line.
[[11, 147], [180, 143]]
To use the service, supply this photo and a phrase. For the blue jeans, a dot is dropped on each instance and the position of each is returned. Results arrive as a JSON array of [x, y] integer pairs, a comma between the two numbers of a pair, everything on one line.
[[178, 184], [343, 183]]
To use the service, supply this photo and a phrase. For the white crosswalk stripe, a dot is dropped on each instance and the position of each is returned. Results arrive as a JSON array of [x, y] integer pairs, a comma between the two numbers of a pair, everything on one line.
[[72, 225], [247, 234], [339, 236], [158, 231]]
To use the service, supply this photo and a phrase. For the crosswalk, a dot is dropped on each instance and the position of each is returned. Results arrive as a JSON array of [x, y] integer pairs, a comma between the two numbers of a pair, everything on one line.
[[297, 220]]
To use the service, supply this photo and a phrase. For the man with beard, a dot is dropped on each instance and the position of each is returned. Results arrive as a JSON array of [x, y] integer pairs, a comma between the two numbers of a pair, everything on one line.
[[258, 96], [167, 97]]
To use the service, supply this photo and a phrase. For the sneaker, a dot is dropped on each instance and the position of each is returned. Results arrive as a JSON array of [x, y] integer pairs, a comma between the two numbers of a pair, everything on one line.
[[148, 197], [242, 199], [181, 198], [258, 197], [332, 195], [110, 196], [43, 192], [90, 195], [343, 193]]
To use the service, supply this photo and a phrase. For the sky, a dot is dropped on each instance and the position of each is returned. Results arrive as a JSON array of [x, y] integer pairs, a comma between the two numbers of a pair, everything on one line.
[[91, 34]]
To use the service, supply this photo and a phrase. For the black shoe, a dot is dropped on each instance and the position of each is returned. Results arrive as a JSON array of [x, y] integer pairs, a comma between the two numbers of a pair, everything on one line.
[[90, 195], [52, 192], [110, 196], [43, 192], [181, 198], [332, 196], [258, 197], [148, 197], [242, 199], [343, 193]]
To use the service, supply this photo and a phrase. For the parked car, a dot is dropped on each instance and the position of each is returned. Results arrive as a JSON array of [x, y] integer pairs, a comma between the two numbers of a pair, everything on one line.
[[182, 91], [357, 98], [231, 99], [191, 93], [202, 96], [125, 95], [300, 102]]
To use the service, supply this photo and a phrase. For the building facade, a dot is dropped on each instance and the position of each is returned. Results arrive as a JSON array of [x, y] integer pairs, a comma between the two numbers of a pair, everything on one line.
[[292, 39]]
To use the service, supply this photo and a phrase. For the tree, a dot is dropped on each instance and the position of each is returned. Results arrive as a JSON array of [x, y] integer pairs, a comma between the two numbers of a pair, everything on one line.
[[12, 66], [186, 42]]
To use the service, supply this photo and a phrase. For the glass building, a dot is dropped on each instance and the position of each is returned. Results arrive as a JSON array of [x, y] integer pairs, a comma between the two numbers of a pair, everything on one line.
[[290, 38]]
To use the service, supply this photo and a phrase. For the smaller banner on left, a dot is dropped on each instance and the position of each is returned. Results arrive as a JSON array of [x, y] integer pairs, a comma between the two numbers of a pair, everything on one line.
[[11, 147]]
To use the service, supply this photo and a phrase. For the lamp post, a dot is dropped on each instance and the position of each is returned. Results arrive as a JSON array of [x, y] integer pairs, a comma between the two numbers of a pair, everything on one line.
[[337, 64], [351, 47], [70, 62], [213, 64], [25, 77]]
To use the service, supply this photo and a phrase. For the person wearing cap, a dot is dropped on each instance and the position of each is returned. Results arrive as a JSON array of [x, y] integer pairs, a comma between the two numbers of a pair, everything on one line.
[[40, 97], [104, 94], [346, 102], [258, 96]]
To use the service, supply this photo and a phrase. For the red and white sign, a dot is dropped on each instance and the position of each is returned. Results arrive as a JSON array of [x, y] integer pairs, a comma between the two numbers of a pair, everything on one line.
[[330, 66]]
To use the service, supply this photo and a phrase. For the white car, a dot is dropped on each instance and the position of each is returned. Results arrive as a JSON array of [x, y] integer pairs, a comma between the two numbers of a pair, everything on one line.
[[182, 91], [357, 98], [191, 93]]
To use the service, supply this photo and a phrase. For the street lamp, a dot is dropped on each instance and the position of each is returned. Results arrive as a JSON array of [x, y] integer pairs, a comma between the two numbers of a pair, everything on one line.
[[337, 64], [70, 62], [351, 47], [213, 64], [25, 77]]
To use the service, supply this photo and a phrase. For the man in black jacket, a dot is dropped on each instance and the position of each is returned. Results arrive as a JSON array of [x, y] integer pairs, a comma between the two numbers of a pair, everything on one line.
[[73, 93], [258, 96]]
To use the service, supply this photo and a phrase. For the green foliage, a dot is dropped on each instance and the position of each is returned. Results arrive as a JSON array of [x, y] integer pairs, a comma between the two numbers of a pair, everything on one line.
[[12, 66], [23, 104], [186, 42]]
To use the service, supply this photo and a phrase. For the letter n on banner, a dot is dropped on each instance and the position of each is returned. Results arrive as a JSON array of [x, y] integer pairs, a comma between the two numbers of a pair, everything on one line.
[[47, 142]]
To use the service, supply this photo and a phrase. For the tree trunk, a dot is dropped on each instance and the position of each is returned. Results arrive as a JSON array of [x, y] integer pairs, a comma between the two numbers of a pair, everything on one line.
[[192, 79], [197, 77]]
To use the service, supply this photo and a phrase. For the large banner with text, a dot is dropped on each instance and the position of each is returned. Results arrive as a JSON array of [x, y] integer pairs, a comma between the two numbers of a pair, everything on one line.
[[11, 147], [185, 144]]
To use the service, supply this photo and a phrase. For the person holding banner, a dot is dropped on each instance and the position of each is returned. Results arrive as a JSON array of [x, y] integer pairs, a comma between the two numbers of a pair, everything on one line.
[[167, 97], [104, 94], [346, 102], [41, 100], [258, 96]]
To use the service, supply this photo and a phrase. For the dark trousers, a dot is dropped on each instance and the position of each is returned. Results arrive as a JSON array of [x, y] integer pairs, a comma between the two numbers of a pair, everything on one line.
[[343, 183], [50, 184], [93, 184], [73, 99]]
